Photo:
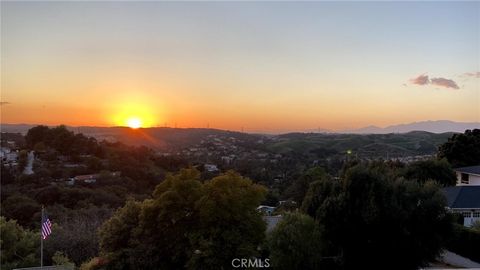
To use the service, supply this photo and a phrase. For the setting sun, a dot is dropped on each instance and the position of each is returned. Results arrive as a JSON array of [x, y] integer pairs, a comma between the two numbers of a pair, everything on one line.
[[134, 122], [135, 113]]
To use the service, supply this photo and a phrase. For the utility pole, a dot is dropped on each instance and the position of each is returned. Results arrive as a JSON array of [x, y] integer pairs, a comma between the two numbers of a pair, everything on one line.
[[41, 239]]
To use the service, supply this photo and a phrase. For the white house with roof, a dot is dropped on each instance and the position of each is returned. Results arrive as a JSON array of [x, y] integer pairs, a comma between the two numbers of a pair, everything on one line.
[[468, 175], [464, 198]]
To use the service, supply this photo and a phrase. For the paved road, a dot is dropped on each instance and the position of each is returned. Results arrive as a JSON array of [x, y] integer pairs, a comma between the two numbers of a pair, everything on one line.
[[456, 261], [29, 167]]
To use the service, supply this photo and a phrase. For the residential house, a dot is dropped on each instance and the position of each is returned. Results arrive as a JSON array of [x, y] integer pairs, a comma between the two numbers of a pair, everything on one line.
[[464, 200], [468, 175]]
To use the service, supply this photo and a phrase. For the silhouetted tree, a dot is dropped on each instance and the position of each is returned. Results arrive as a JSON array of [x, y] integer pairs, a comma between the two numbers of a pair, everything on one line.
[[299, 188], [462, 149], [439, 171], [372, 220], [36, 135], [295, 243]]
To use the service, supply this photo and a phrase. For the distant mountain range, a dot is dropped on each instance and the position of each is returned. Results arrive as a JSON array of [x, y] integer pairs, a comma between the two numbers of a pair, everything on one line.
[[439, 126]]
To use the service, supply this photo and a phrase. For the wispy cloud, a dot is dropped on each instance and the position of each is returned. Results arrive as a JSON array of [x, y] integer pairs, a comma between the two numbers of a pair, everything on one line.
[[4, 103], [442, 82], [447, 83], [472, 74], [420, 80]]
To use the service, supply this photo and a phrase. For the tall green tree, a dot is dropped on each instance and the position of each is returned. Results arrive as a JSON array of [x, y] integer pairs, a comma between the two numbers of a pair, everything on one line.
[[187, 224], [116, 234], [36, 135], [300, 186], [462, 149], [439, 171], [19, 246], [22, 160], [230, 227], [373, 220], [295, 243]]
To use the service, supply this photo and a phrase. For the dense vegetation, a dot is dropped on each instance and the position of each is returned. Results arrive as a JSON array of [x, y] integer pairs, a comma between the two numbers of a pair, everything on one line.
[[371, 145], [187, 223], [78, 210], [162, 212], [462, 149], [466, 242], [370, 218]]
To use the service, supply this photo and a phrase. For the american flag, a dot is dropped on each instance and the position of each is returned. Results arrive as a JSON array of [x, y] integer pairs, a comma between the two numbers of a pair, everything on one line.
[[46, 227]]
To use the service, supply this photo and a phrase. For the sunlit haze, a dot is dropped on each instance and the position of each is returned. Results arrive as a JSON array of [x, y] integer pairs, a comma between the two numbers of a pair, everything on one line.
[[252, 66]]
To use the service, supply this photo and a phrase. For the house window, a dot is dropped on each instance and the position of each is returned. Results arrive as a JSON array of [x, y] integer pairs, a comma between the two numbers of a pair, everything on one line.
[[476, 214], [467, 214], [464, 178]]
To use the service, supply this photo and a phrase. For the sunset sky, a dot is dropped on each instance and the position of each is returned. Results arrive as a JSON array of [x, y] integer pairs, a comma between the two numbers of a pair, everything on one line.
[[263, 66]]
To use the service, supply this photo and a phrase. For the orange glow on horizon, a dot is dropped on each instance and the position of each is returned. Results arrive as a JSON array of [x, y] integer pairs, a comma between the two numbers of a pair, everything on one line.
[[134, 114]]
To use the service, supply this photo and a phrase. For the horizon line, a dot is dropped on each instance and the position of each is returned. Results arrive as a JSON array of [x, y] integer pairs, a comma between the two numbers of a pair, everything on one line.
[[256, 131]]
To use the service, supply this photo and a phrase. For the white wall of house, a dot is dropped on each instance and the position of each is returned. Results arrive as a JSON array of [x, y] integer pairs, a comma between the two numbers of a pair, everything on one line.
[[469, 216], [473, 179]]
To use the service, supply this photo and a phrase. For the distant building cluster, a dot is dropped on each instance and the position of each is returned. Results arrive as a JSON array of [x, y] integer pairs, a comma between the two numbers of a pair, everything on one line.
[[9, 157], [9, 153]]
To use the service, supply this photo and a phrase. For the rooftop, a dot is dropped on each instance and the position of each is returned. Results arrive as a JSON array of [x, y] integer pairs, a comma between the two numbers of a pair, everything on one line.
[[463, 196], [469, 170]]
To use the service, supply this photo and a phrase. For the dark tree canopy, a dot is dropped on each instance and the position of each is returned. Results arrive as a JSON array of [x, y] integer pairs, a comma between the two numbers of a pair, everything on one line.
[[187, 224], [18, 246], [299, 188], [21, 208], [370, 220], [439, 171], [61, 139], [462, 149], [295, 243]]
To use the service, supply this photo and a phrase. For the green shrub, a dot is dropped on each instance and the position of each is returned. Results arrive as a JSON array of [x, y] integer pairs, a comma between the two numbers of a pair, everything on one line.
[[465, 243]]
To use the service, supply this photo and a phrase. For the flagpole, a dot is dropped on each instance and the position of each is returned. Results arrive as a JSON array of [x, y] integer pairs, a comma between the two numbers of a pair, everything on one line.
[[41, 240]]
